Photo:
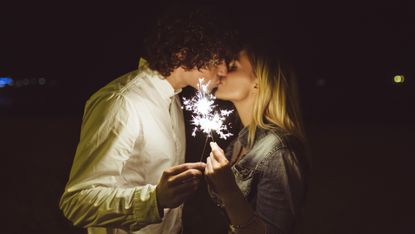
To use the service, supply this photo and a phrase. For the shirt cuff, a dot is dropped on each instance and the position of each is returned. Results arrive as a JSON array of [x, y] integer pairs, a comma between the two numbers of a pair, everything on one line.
[[145, 206]]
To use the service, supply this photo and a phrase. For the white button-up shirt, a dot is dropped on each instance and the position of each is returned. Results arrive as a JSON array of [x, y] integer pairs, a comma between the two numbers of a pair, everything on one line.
[[132, 130]]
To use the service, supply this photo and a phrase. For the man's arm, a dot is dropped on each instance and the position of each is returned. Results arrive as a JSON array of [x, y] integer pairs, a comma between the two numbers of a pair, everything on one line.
[[131, 208], [95, 194]]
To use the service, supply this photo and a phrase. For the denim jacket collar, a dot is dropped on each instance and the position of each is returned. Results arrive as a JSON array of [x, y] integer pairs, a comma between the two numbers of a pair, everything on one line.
[[243, 136]]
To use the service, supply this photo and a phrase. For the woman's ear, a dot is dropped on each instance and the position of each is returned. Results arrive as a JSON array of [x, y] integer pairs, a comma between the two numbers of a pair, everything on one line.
[[256, 83], [255, 86]]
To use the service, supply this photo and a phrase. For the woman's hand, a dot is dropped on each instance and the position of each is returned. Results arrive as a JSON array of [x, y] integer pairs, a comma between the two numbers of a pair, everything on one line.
[[221, 179], [219, 174]]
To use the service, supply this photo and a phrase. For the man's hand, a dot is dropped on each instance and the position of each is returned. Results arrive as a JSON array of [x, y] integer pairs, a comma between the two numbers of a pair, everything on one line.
[[177, 183]]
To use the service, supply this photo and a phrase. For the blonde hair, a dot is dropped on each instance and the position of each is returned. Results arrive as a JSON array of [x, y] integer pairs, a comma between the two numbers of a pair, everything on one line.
[[277, 102]]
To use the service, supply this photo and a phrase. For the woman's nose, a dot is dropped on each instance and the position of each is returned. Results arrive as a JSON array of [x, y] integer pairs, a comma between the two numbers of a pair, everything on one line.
[[222, 69]]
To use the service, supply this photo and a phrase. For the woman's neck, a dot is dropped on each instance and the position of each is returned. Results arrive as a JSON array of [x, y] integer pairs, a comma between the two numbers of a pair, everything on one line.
[[245, 109]]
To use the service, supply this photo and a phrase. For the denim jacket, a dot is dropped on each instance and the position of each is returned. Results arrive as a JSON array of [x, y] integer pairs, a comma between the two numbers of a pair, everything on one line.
[[272, 177]]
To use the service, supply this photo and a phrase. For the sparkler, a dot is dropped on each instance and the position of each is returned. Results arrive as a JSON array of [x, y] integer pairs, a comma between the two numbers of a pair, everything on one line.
[[205, 118]]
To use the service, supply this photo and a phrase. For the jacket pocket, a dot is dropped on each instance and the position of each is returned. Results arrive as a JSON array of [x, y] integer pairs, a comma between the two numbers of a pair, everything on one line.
[[243, 178]]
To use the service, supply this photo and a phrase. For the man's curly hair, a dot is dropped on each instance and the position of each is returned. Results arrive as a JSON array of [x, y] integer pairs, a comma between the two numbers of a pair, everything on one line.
[[197, 38]]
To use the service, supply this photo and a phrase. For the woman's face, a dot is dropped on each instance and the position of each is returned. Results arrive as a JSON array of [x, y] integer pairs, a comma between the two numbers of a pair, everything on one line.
[[238, 85]]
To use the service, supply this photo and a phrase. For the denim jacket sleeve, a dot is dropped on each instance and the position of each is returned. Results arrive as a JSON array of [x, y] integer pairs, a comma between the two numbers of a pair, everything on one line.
[[280, 189]]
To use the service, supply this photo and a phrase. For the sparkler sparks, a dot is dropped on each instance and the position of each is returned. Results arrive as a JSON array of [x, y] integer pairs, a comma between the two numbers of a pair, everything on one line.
[[204, 117]]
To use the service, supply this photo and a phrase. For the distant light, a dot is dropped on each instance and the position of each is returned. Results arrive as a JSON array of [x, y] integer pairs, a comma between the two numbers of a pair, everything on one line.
[[26, 82], [19, 83], [5, 81], [321, 82], [42, 81], [399, 79]]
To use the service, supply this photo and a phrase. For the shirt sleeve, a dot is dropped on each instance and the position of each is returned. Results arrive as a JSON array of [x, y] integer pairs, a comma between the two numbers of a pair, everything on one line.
[[280, 191], [96, 193]]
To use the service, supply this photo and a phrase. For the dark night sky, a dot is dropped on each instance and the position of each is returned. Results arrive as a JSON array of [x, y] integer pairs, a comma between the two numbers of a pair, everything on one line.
[[360, 123], [354, 47]]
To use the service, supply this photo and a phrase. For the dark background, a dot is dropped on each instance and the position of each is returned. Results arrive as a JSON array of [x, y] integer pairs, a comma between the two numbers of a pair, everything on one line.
[[360, 123]]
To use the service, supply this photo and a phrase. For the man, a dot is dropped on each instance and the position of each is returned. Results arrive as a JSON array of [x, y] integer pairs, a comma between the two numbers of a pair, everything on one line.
[[128, 174]]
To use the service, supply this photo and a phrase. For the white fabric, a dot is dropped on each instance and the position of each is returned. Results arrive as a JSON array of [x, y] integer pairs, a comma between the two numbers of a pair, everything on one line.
[[132, 130]]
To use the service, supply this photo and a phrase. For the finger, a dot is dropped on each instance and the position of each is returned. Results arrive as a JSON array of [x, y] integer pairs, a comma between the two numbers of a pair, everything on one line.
[[185, 166], [209, 168], [185, 188], [208, 173], [191, 174], [216, 146], [214, 162], [218, 155]]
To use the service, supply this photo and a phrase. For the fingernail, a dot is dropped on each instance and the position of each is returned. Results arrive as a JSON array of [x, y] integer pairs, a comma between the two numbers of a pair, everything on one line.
[[212, 144]]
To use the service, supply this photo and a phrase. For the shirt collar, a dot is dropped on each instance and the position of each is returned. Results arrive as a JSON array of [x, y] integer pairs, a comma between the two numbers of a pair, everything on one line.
[[243, 135], [161, 84]]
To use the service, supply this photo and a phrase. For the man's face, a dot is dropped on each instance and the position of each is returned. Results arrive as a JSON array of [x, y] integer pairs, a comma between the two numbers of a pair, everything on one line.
[[213, 74]]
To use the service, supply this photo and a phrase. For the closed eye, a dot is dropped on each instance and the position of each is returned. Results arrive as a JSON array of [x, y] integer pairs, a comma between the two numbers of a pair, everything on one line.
[[232, 66]]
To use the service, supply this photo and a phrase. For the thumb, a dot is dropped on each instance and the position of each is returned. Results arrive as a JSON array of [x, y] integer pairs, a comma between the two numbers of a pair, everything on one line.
[[215, 146]]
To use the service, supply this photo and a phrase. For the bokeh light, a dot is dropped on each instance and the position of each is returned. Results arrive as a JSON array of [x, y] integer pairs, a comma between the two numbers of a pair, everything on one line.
[[399, 79], [5, 81]]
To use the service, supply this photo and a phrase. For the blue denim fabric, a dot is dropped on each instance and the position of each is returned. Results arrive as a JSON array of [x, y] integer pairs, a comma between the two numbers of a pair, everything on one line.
[[272, 177]]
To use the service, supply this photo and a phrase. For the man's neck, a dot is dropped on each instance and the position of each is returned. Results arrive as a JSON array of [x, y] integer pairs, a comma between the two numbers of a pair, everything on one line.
[[176, 79]]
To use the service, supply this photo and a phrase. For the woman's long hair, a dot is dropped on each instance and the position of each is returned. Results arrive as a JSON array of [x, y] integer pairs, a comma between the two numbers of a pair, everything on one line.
[[277, 102]]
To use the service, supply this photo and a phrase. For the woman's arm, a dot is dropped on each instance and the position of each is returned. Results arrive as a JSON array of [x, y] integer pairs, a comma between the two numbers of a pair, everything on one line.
[[220, 177], [281, 190]]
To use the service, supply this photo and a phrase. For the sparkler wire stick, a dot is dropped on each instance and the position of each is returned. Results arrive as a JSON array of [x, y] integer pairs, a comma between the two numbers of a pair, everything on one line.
[[204, 147], [204, 117]]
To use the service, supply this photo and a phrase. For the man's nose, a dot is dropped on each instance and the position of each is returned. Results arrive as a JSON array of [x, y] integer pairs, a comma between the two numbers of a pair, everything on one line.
[[222, 69]]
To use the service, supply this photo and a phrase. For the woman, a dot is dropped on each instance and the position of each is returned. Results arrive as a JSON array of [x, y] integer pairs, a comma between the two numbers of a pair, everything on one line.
[[261, 181]]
